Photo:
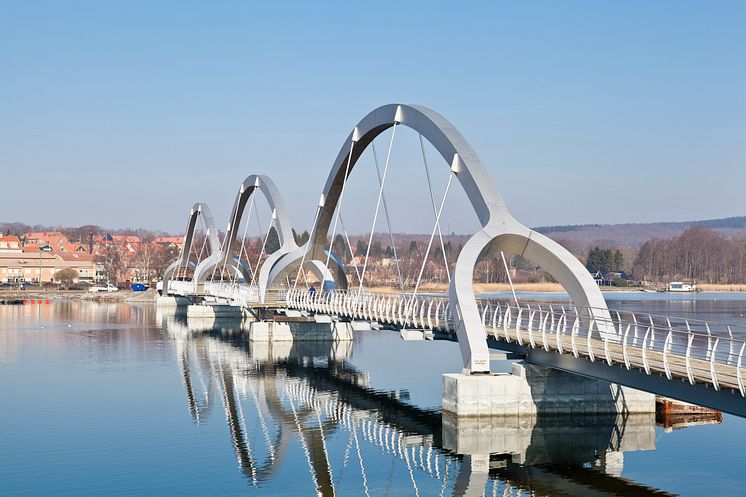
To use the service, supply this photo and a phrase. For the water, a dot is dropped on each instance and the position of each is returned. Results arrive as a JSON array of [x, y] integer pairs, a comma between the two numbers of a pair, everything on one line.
[[117, 399]]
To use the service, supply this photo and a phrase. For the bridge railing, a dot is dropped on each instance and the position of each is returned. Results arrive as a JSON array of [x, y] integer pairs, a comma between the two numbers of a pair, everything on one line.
[[701, 352], [243, 294], [698, 351]]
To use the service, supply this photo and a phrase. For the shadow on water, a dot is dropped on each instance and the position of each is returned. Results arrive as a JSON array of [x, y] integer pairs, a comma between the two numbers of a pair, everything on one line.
[[306, 397]]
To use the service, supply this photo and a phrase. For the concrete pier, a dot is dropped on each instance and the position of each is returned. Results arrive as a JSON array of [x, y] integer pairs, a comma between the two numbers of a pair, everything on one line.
[[206, 311], [299, 331], [532, 389], [172, 301]]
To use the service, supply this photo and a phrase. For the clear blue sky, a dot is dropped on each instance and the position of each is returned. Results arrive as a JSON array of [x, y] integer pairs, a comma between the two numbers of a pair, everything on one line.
[[125, 113]]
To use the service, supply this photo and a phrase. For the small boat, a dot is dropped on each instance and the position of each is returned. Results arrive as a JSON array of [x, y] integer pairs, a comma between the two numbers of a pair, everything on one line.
[[681, 287]]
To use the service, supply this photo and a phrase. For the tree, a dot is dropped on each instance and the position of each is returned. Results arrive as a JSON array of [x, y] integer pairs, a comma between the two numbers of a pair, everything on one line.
[[112, 264], [302, 238], [66, 276], [340, 247], [412, 246], [604, 260], [361, 248], [273, 241]]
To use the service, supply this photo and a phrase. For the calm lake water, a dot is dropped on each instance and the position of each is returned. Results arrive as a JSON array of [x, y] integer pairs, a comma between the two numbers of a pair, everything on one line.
[[118, 399]]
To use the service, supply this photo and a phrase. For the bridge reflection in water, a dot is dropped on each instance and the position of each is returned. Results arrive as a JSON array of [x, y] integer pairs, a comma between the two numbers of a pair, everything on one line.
[[279, 398]]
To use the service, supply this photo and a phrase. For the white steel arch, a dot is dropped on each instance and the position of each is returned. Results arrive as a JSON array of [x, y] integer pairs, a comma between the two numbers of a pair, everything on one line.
[[499, 228], [198, 209]]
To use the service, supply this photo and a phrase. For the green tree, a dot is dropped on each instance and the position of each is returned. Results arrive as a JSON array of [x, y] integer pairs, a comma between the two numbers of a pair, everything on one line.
[[302, 238], [340, 248], [604, 260], [273, 241], [361, 248]]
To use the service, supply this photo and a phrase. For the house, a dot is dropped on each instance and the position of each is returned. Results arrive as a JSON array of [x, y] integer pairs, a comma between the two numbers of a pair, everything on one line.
[[43, 255], [171, 241]]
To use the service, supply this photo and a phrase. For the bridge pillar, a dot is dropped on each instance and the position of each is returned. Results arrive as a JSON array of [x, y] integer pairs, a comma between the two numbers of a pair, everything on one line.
[[291, 331], [533, 389], [203, 311], [172, 301]]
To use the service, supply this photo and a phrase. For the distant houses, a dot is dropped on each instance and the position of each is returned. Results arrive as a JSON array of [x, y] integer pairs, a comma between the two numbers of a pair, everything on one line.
[[37, 257], [610, 278]]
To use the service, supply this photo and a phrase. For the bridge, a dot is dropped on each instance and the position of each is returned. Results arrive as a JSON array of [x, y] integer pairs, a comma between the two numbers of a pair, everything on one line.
[[693, 361]]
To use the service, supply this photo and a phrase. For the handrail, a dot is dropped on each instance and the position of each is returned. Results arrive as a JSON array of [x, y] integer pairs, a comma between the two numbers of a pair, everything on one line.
[[693, 350]]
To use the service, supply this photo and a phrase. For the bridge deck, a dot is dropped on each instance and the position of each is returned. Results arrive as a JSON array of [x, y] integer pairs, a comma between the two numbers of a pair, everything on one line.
[[726, 375], [673, 349]]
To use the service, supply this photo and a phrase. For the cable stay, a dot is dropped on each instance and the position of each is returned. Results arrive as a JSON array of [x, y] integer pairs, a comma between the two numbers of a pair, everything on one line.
[[341, 200], [243, 242], [432, 201], [264, 246], [308, 244], [432, 234], [388, 219], [510, 280], [349, 246], [378, 205]]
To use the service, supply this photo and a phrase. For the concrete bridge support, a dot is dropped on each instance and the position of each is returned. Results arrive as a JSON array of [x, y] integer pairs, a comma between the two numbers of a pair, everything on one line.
[[531, 389]]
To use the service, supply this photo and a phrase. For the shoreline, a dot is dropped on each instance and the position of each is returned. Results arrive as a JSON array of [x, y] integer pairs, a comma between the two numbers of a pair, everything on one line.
[[479, 288], [113, 297], [482, 288]]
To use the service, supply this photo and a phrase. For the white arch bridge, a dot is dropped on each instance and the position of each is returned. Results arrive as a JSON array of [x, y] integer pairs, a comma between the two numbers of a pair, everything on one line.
[[689, 360]]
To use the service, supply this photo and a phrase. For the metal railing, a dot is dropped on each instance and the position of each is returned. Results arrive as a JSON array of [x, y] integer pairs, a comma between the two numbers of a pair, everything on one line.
[[698, 351]]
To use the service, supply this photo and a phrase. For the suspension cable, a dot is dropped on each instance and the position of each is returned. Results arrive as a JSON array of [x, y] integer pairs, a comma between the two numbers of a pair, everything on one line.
[[388, 219], [378, 205], [202, 250], [349, 245], [432, 235], [339, 203], [228, 244], [432, 201], [264, 245], [180, 260], [215, 267], [243, 244], [308, 243], [510, 280]]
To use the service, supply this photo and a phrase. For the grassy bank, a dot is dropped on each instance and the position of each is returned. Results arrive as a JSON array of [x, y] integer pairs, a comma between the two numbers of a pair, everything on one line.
[[713, 287]]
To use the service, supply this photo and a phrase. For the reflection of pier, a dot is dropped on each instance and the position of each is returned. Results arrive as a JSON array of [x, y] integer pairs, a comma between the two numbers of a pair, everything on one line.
[[279, 397]]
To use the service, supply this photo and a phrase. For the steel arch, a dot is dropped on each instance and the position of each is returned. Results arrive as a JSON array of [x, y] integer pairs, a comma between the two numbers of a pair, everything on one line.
[[499, 228]]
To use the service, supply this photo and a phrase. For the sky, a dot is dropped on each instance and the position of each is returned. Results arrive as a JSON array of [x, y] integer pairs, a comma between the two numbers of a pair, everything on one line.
[[124, 114]]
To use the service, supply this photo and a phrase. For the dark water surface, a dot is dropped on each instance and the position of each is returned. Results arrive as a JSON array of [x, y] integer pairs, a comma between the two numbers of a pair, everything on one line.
[[118, 399]]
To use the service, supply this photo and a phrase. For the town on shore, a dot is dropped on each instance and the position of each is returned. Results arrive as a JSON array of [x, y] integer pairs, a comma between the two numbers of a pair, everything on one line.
[[709, 254]]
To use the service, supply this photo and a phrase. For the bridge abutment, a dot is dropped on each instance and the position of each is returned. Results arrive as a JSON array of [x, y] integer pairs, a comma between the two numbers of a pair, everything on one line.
[[532, 389]]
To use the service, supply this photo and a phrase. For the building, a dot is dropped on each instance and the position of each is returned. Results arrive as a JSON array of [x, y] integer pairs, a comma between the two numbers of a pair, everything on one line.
[[38, 257], [171, 241]]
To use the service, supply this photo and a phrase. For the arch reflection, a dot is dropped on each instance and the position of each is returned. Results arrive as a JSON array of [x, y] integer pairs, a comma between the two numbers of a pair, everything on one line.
[[306, 399]]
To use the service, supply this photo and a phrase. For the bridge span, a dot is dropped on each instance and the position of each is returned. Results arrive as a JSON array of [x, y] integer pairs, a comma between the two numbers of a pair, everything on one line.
[[697, 362]]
